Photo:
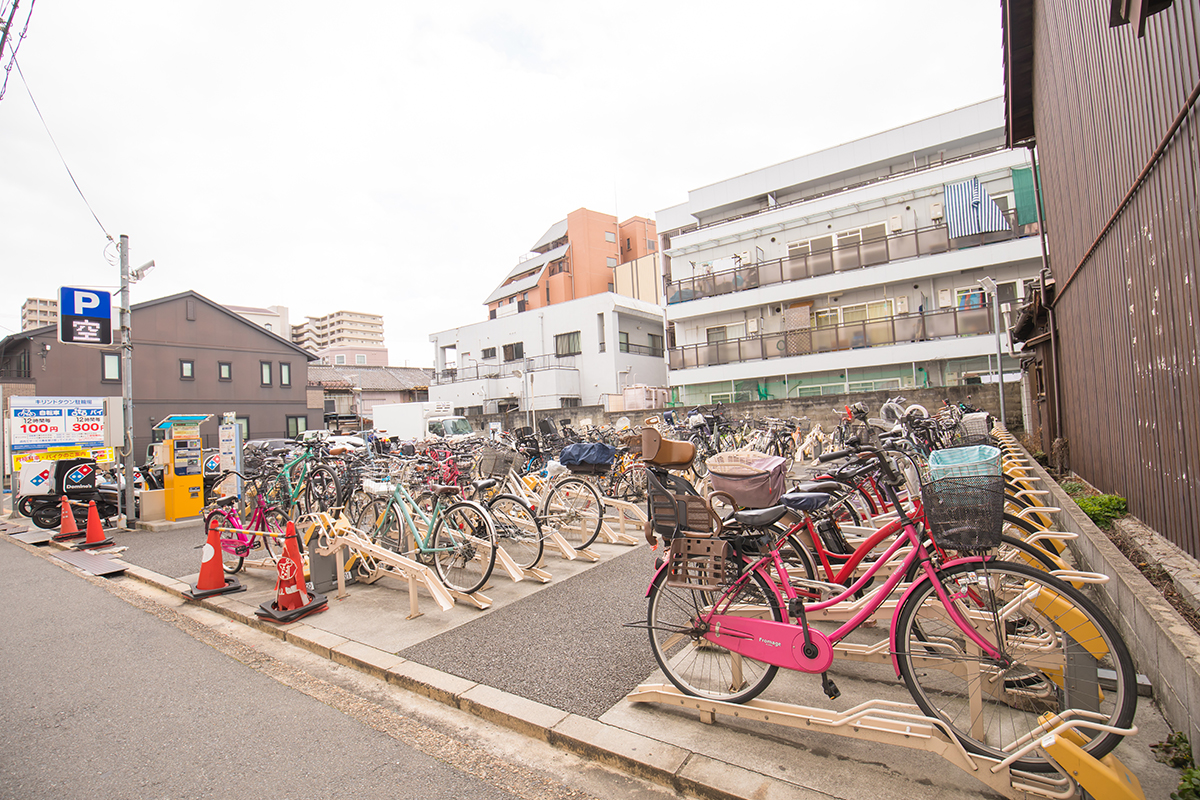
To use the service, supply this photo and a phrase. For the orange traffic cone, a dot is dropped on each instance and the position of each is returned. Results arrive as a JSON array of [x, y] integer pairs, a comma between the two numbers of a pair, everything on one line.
[[292, 598], [213, 580], [95, 533], [67, 529]]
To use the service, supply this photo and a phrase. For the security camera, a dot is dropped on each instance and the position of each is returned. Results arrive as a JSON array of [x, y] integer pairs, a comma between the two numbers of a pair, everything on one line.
[[141, 271]]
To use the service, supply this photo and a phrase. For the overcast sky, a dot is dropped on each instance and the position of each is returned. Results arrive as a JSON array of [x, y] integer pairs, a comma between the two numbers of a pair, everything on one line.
[[399, 158]]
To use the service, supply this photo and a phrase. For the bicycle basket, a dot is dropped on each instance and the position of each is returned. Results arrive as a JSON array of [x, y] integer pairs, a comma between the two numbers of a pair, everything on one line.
[[965, 512], [698, 563], [496, 463], [960, 462], [752, 479]]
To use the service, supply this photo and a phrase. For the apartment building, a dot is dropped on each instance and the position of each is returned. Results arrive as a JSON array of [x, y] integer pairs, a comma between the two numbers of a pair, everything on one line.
[[854, 268], [575, 322], [38, 311], [272, 318], [344, 337]]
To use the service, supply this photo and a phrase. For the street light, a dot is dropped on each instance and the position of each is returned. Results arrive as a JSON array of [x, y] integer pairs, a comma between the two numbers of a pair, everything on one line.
[[520, 374], [990, 287]]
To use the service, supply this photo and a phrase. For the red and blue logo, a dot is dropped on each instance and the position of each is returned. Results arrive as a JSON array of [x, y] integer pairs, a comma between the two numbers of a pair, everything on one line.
[[212, 464], [40, 478], [79, 473]]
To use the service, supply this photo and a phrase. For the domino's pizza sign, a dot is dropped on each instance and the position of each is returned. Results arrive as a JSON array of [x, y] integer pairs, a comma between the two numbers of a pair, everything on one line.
[[79, 474], [84, 316]]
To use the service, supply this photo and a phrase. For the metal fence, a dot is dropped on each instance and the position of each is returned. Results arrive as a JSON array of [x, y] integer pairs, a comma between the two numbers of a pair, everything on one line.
[[506, 369], [850, 336], [843, 258]]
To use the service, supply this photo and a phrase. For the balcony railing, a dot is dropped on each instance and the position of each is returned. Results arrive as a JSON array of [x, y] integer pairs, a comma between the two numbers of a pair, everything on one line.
[[641, 349], [906, 244], [504, 369], [851, 336]]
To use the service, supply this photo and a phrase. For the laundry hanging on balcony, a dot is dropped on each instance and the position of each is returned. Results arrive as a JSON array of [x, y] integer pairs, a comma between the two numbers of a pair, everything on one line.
[[970, 210]]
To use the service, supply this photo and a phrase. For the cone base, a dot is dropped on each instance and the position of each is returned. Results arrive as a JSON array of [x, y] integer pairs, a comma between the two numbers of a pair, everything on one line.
[[232, 585], [89, 545], [271, 613], [62, 537]]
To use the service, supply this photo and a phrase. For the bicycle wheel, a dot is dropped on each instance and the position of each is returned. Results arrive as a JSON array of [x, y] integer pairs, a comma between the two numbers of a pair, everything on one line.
[[517, 530], [234, 545], [699, 467], [389, 530], [464, 542], [573, 507], [320, 491], [695, 665], [1059, 645], [358, 500], [630, 485]]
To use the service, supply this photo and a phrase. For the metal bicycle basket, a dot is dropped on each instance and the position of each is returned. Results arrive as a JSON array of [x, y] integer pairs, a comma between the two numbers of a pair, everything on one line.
[[496, 463], [699, 563], [966, 512]]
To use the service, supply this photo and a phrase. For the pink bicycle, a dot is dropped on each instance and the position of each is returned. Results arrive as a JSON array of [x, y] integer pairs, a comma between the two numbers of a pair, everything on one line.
[[987, 646], [240, 540]]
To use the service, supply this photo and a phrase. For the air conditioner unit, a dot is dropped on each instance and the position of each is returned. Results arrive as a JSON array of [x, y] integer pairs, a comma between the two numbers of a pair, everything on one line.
[[896, 223], [935, 210]]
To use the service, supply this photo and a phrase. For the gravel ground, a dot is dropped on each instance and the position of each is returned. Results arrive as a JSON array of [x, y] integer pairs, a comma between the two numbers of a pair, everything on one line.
[[564, 646]]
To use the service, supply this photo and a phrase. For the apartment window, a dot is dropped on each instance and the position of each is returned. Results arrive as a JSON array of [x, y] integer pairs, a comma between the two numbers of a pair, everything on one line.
[[610, 236], [110, 367], [339, 359], [656, 344], [970, 298], [623, 341], [285, 373], [826, 318], [547, 294], [488, 352], [187, 370], [650, 245], [514, 351], [267, 325], [567, 344], [610, 287], [265, 371], [570, 402], [224, 371], [715, 335], [612, 262], [296, 426], [244, 424], [628, 246], [359, 358]]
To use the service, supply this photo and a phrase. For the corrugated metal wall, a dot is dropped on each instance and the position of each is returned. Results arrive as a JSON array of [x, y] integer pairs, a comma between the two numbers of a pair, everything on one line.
[[1129, 319]]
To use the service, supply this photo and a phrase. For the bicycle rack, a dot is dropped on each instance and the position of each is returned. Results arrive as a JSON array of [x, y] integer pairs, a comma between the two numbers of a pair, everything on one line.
[[626, 512], [904, 725]]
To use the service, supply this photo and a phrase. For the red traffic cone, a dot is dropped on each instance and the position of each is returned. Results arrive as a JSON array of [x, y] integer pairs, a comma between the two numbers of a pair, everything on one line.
[[213, 580], [67, 529], [292, 599], [95, 533]]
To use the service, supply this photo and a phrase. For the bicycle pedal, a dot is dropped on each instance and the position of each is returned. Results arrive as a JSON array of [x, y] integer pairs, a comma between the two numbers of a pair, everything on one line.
[[829, 687]]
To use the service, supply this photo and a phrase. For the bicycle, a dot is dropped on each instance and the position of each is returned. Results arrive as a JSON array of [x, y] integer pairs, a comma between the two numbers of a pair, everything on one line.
[[984, 645], [300, 487], [459, 537], [239, 540]]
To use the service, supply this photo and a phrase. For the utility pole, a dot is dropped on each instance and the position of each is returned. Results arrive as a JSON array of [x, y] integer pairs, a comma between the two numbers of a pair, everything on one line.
[[126, 382]]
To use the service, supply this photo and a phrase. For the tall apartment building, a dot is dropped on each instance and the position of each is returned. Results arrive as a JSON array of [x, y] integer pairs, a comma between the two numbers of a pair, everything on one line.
[[575, 323], [38, 311], [344, 337], [853, 268]]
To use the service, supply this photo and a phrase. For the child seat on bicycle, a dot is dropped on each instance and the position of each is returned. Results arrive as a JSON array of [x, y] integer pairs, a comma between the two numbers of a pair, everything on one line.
[[666, 453]]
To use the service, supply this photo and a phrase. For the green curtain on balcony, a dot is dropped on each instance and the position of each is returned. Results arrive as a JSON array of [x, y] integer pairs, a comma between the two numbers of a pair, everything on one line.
[[1023, 193]]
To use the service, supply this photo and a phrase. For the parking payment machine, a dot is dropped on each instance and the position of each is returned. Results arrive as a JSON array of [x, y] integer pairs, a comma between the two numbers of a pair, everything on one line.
[[183, 474]]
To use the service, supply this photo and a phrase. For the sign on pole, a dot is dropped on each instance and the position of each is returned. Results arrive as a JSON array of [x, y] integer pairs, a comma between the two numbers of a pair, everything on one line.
[[84, 316], [42, 423]]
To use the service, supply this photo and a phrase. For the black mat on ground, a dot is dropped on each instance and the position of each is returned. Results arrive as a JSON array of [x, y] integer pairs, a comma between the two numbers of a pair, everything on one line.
[[563, 646], [173, 553]]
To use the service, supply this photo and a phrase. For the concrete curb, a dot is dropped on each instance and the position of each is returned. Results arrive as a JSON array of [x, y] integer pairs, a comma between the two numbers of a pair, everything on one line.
[[1164, 646], [674, 767]]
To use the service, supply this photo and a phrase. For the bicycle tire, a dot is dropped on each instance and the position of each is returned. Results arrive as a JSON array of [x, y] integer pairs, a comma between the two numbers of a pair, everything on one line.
[[233, 546], [575, 509], [321, 491], [699, 467], [464, 546], [694, 665], [630, 485], [937, 667], [518, 531]]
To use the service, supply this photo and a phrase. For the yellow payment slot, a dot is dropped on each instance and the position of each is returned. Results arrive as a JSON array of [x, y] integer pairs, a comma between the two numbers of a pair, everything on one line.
[[183, 475]]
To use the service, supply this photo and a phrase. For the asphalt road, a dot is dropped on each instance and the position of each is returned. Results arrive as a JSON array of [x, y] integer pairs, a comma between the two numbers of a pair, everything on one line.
[[101, 699]]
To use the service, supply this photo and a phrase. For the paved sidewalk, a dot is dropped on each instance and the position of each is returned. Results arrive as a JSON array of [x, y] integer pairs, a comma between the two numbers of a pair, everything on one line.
[[554, 661]]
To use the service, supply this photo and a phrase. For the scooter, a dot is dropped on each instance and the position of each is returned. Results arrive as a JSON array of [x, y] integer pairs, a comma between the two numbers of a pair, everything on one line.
[[46, 509]]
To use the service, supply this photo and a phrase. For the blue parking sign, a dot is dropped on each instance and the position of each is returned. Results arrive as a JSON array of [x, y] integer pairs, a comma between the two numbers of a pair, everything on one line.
[[84, 316]]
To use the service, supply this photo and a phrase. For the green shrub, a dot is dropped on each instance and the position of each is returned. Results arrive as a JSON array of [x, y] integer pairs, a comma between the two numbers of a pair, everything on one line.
[[1102, 508], [1189, 786], [1073, 488], [1174, 751]]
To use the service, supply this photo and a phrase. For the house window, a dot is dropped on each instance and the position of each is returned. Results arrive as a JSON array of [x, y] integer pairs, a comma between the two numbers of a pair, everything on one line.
[[514, 351], [339, 359], [488, 352], [547, 294], [224, 371], [296, 426], [187, 370], [609, 236], [627, 244], [567, 344], [244, 424], [267, 325], [650, 245], [285, 373], [360, 358], [656, 344], [110, 367], [265, 371], [623, 341], [612, 262], [715, 335], [570, 402]]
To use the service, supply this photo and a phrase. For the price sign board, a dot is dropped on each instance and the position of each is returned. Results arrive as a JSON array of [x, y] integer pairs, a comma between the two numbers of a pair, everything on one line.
[[41, 423]]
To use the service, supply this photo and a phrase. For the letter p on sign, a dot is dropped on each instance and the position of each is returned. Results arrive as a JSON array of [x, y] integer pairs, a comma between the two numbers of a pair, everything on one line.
[[85, 316]]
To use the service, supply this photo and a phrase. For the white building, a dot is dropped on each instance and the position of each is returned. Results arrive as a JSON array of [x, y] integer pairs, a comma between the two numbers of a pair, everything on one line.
[[273, 318], [853, 268], [38, 311], [576, 353], [352, 338]]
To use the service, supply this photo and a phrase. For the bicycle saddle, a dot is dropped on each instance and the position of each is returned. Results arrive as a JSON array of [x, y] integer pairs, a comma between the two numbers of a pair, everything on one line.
[[805, 501], [826, 487], [228, 500], [439, 488], [761, 517], [483, 483]]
